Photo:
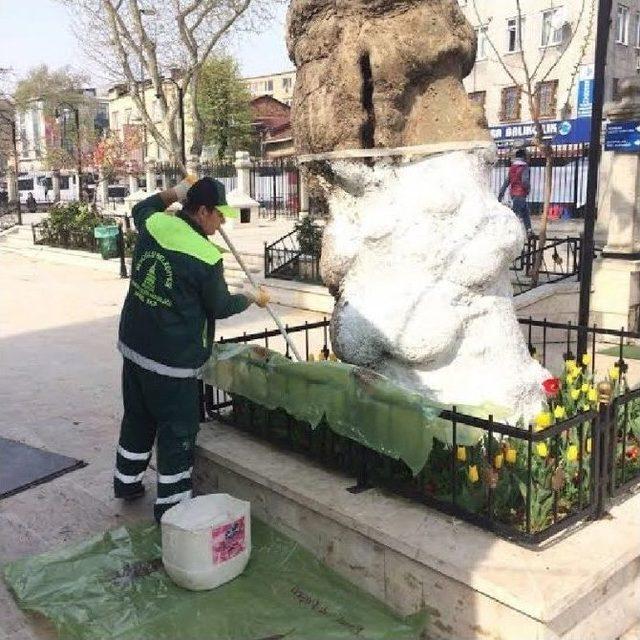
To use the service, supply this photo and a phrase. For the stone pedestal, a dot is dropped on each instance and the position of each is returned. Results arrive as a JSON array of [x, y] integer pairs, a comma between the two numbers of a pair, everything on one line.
[[103, 189], [151, 177], [586, 586], [133, 183], [193, 167], [12, 185], [56, 185], [239, 197], [616, 279]]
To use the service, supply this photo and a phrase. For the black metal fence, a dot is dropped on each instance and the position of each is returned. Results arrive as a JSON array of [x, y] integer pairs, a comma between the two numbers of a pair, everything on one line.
[[526, 484], [275, 184], [560, 260], [569, 182], [284, 260]]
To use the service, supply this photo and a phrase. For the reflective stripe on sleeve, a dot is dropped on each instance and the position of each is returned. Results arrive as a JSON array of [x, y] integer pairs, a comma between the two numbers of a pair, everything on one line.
[[128, 479], [175, 498], [176, 477], [130, 455]]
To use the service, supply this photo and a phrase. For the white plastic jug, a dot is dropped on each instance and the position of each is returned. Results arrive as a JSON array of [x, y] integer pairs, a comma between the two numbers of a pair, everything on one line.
[[206, 541]]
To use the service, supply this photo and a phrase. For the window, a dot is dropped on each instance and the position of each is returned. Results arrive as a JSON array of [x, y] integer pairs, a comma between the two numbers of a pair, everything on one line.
[[552, 27], [515, 28], [510, 104], [268, 85], [637, 31], [479, 97], [115, 124], [286, 83], [615, 89], [622, 25], [483, 45], [546, 99]]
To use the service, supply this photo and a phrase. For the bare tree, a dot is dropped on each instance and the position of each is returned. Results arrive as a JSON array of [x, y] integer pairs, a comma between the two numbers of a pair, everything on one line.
[[144, 41], [529, 76]]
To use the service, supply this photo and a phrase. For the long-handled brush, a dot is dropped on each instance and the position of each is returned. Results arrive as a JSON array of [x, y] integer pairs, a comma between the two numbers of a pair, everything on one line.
[[268, 306]]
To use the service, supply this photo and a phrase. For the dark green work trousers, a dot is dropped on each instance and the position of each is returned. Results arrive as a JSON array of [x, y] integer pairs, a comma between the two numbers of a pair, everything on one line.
[[157, 406]]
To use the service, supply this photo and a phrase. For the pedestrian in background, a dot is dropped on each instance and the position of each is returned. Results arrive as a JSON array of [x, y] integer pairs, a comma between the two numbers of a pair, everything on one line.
[[518, 181]]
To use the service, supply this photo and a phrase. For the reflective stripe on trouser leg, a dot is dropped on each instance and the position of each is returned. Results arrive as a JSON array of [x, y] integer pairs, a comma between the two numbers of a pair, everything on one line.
[[137, 433]]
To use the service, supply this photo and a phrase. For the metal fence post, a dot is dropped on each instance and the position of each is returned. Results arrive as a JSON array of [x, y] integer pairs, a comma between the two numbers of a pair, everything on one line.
[[603, 447], [121, 248]]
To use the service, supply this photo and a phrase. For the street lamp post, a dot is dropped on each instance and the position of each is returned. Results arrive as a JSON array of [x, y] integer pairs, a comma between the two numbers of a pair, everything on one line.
[[586, 263], [76, 113]]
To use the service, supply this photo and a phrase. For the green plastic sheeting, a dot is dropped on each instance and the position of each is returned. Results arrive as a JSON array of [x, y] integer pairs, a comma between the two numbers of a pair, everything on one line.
[[356, 403], [114, 587]]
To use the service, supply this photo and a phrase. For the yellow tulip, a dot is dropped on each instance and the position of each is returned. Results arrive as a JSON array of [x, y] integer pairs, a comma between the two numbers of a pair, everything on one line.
[[585, 407], [572, 453], [570, 365], [559, 412], [592, 395], [586, 359], [461, 454], [543, 420], [570, 379], [542, 449], [473, 474], [614, 373], [333, 357], [584, 388], [497, 461], [512, 455], [575, 394], [588, 446]]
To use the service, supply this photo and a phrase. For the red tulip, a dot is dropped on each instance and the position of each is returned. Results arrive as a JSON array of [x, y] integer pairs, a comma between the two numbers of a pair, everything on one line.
[[551, 387]]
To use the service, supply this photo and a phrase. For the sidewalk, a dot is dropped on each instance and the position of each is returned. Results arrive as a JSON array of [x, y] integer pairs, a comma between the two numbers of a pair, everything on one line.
[[60, 391]]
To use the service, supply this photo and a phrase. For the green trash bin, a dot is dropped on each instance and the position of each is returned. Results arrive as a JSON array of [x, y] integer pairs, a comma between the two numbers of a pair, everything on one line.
[[107, 237]]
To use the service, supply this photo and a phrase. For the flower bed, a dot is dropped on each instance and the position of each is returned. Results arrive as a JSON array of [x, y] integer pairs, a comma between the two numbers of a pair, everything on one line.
[[526, 482], [70, 226]]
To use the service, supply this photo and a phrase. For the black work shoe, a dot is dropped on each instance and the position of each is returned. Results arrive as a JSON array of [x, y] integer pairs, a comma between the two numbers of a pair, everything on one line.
[[130, 496]]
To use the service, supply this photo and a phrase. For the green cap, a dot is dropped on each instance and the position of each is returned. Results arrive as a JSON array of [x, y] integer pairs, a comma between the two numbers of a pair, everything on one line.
[[210, 193]]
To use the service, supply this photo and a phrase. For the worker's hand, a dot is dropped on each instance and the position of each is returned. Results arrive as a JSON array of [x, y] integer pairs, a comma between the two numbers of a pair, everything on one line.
[[183, 186], [259, 296]]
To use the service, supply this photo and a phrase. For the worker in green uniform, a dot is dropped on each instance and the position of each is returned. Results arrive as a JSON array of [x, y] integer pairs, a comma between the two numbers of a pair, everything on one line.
[[177, 292]]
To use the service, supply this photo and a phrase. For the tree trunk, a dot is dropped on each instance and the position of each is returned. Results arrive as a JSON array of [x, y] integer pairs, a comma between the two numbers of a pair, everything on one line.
[[548, 182]]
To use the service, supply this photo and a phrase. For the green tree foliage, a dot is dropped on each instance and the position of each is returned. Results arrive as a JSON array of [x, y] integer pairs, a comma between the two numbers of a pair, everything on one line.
[[224, 105], [52, 86], [58, 89]]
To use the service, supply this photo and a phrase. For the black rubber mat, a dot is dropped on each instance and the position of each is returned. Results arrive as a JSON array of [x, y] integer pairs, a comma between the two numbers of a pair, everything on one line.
[[23, 467]]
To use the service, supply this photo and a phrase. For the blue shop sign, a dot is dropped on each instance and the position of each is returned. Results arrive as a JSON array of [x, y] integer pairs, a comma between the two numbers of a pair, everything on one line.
[[623, 136], [573, 131], [585, 98]]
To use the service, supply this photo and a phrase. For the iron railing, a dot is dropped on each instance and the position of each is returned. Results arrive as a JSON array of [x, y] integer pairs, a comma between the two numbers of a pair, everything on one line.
[[285, 260], [275, 184], [569, 179], [523, 484], [560, 260]]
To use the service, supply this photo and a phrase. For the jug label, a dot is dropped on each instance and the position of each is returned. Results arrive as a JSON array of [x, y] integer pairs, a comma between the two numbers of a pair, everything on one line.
[[228, 541]]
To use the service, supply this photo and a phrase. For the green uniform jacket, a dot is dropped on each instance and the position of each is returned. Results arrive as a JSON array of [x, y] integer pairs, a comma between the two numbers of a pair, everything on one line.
[[177, 291]]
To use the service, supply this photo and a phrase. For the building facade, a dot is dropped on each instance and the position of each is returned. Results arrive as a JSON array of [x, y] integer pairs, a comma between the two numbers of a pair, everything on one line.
[[557, 40], [125, 121], [38, 131], [276, 85]]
